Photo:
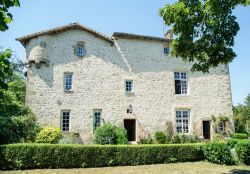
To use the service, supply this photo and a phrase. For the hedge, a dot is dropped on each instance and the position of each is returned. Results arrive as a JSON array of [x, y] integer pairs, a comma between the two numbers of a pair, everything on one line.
[[218, 152], [243, 151], [239, 136], [31, 156]]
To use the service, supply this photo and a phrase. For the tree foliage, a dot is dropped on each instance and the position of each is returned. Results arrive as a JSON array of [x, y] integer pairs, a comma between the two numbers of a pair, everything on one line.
[[5, 19], [204, 29], [5, 16], [17, 122], [5, 68], [242, 116]]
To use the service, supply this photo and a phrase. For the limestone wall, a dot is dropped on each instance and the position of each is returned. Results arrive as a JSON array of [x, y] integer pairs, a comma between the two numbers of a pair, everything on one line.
[[98, 83]]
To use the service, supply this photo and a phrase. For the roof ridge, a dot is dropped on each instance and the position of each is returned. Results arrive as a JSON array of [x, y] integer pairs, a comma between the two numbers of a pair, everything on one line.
[[130, 35], [26, 38]]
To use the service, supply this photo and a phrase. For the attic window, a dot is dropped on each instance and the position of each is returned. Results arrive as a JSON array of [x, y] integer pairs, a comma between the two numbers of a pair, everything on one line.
[[80, 48], [80, 51], [43, 44]]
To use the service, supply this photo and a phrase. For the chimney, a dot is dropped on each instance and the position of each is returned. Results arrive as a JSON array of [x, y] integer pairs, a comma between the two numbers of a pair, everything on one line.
[[169, 35]]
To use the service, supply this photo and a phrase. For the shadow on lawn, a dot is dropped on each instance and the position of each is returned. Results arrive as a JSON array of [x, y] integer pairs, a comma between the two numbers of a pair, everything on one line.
[[240, 171]]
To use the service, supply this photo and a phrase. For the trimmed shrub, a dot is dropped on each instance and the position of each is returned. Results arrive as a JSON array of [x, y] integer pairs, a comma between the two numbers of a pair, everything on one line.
[[121, 135], [160, 137], [48, 135], [69, 138], [182, 138], [109, 134], [146, 140], [219, 153], [243, 151], [31, 156], [239, 136], [105, 134], [231, 143]]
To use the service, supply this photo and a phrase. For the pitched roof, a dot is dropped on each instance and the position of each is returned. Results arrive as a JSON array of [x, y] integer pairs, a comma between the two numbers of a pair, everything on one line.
[[26, 38], [136, 36]]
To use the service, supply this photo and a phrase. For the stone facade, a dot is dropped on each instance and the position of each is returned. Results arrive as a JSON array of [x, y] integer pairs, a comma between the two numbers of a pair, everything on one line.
[[99, 84]]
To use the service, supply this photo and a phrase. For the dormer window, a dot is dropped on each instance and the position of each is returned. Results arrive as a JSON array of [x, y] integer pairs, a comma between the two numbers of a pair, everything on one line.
[[80, 51]]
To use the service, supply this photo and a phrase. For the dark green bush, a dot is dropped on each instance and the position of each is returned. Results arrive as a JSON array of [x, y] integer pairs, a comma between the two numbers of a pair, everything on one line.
[[231, 143], [217, 152], [160, 137], [239, 136], [109, 134], [30, 156], [17, 122], [49, 135], [243, 151]]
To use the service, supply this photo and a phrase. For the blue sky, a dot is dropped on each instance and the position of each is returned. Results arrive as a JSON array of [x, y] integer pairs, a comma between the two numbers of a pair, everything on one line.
[[132, 16]]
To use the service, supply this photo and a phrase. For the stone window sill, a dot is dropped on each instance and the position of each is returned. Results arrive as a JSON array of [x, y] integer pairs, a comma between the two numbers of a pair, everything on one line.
[[130, 93], [68, 91], [181, 95]]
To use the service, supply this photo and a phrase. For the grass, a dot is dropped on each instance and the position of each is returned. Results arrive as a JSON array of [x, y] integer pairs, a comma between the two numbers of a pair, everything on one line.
[[174, 168]]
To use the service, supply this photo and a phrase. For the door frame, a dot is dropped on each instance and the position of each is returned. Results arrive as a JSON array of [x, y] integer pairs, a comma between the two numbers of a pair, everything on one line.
[[135, 131], [210, 129]]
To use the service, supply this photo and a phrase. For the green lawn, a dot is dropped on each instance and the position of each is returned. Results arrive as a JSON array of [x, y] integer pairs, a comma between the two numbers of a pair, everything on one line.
[[175, 168]]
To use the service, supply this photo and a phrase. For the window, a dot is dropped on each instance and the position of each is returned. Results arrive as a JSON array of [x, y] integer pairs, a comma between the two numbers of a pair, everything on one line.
[[166, 51], [65, 120], [43, 44], [182, 121], [68, 79], [222, 127], [79, 48], [80, 51], [180, 83], [97, 118], [129, 85]]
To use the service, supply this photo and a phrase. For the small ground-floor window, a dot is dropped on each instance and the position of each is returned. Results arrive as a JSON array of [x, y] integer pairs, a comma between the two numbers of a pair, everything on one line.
[[65, 120], [221, 127], [182, 121], [97, 118]]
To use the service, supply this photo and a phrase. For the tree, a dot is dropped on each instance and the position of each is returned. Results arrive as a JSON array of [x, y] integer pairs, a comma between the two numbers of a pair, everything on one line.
[[5, 18], [242, 116], [5, 68], [17, 122], [204, 30]]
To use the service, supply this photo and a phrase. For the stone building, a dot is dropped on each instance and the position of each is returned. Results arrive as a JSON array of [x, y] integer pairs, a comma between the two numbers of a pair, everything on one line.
[[78, 78]]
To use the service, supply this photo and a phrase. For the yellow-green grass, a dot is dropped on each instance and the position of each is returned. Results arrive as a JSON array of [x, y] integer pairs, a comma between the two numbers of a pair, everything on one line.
[[173, 168]]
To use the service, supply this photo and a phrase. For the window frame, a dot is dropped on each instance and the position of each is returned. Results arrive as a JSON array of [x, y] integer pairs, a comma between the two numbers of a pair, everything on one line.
[[183, 129], [166, 52], [62, 119], [65, 81], [183, 78], [131, 86], [80, 51], [95, 126], [221, 127]]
